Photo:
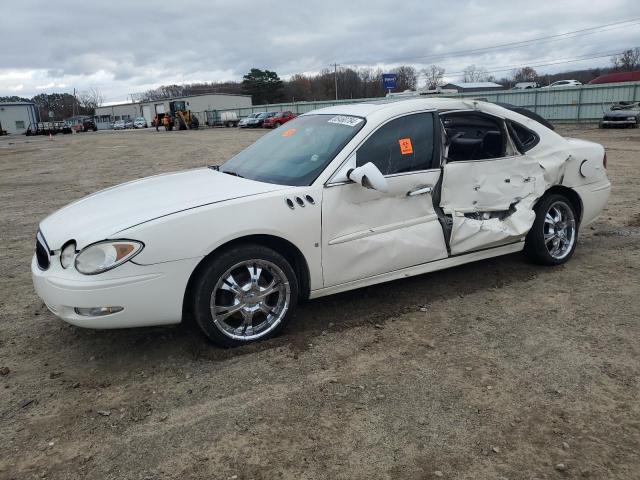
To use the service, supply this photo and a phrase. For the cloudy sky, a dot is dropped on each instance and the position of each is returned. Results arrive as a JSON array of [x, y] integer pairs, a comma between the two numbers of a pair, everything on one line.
[[123, 47]]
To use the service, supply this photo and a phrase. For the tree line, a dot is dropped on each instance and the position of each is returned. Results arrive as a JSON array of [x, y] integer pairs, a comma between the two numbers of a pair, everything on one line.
[[265, 86], [62, 105]]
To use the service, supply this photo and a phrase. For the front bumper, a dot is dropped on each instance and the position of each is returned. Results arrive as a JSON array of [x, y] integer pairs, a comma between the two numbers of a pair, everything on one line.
[[149, 294], [618, 123]]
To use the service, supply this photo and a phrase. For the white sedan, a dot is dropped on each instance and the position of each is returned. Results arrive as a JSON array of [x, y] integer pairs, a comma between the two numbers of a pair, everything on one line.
[[337, 199]]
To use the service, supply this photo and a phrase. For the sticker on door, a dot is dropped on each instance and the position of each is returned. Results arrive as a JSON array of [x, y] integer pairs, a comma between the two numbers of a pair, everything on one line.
[[405, 146]]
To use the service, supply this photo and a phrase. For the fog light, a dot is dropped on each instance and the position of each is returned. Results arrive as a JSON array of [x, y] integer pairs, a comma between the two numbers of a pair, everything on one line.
[[97, 311]]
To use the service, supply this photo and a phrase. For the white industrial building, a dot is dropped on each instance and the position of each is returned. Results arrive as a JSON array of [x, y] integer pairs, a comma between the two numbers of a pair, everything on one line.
[[15, 117], [198, 104]]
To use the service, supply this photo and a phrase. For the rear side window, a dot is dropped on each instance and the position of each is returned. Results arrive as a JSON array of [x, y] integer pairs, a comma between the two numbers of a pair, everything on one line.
[[402, 145], [524, 138]]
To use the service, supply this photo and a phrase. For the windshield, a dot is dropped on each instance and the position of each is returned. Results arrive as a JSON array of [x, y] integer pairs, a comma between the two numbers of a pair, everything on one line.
[[297, 153]]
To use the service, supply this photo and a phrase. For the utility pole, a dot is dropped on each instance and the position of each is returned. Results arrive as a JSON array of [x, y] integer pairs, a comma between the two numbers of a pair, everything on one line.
[[335, 78]]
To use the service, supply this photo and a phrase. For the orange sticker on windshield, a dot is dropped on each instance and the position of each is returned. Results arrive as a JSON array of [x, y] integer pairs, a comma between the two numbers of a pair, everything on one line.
[[405, 146], [288, 133]]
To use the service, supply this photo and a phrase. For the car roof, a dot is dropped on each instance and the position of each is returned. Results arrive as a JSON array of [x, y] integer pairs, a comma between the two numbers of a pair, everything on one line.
[[378, 111], [369, 108]]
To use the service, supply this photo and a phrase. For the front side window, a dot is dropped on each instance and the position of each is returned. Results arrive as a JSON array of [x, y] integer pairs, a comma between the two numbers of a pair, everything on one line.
[[296, 153], [402, 145]]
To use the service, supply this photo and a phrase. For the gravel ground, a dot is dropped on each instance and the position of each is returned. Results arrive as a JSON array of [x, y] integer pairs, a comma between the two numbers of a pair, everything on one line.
[[497, 369]]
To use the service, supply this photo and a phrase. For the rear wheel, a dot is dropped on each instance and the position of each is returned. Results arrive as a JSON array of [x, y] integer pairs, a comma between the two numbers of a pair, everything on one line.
[[554, 235], [245, 294], [277, 124]]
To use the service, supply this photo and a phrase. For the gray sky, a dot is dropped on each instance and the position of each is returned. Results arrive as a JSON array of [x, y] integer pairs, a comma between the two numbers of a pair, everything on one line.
[[124, 47]]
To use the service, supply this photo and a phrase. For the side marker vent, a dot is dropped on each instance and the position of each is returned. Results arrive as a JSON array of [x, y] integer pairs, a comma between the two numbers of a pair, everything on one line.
[[299, 201]]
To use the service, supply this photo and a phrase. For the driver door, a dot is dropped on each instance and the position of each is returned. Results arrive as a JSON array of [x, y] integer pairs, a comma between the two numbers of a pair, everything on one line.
[[366, 232]]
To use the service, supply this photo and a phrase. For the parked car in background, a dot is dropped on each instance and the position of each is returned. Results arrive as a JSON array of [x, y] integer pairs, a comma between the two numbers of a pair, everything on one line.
[[525, 85], [140, 122], [128, 124], [244, 123], [87, 125], [564, 83], [278, 119], [119, 125], [342, 198], [623, 114], [259, 120], [62, 127]]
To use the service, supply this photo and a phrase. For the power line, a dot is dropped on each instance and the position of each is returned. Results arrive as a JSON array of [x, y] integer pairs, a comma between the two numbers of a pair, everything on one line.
[[549, 38], [559, 61]]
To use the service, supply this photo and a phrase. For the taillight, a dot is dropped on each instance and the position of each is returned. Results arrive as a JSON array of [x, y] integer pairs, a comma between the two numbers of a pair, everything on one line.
[[604, 160]]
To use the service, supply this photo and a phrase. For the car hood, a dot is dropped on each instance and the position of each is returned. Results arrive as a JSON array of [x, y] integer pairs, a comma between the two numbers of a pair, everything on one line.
[[103, 214], [621, 113]]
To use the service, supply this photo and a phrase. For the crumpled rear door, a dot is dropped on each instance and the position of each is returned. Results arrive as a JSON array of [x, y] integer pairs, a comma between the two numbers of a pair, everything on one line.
[[490, 201]]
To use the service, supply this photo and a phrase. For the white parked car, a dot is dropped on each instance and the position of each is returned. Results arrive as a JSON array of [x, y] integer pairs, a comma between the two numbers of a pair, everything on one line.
[[564, 83], [119, 125], [337, 199], [525, 85], [140, 122], [248, 120]]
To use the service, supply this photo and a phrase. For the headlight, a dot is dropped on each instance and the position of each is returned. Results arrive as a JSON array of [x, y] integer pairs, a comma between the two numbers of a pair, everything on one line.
[[103, 256], [631, 118], [67, 254]]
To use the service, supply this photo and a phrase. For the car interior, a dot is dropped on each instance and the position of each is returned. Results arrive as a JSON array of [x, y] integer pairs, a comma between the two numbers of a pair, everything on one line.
[[473, 136]]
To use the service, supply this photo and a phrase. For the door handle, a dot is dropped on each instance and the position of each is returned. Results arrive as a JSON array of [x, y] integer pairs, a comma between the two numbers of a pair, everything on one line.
[[420, 191]]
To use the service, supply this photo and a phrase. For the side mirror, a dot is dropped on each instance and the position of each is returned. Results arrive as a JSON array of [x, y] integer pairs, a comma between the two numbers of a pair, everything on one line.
[[368, 176]]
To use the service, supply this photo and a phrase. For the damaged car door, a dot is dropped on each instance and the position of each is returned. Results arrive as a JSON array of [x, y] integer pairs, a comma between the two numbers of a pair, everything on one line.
[[367, 232], [488, 187]]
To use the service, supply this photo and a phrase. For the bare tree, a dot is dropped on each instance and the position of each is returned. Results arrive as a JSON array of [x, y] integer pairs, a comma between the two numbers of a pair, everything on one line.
[[472, 73], [91, 99], [434, 75], [627, 61], [406, 78], [525, 74]]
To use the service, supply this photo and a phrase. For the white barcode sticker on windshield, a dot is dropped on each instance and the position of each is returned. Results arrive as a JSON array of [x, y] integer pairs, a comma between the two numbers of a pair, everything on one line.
[[345, 120]]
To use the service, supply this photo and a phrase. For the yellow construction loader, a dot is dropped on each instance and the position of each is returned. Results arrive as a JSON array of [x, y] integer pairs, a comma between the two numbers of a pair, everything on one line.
[[183, 119]]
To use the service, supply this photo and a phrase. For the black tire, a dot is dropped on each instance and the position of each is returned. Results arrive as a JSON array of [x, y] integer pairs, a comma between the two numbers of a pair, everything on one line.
[[277, 124], [535, 247], [212, 272]]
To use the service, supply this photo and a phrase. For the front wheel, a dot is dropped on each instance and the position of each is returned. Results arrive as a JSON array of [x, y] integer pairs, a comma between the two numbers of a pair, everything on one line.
[[554, 234], [245, 294]]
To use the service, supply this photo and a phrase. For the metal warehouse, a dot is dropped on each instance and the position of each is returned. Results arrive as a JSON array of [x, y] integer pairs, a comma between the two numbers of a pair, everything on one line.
[[15, 117], [198, 104], [463, 87]]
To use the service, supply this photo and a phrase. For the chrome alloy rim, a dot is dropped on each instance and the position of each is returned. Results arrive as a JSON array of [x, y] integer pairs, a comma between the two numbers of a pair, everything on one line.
[[559, 230], [250, 300]]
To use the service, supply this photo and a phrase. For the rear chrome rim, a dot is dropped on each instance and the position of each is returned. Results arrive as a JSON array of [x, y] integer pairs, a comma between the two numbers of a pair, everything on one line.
[[250, 300], [559, 230]]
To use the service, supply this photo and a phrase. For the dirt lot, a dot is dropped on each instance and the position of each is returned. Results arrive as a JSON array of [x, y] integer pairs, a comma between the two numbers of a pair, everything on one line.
[[498, 369]]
